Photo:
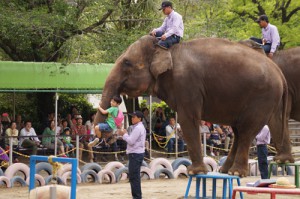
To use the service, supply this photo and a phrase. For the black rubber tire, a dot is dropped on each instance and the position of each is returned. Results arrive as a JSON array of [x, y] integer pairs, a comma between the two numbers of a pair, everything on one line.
[[48, 179], [84, 176], [91, 166], [18, 179], [180, 161], [165, 171], [118, 173], [43, 166], [222, 160]]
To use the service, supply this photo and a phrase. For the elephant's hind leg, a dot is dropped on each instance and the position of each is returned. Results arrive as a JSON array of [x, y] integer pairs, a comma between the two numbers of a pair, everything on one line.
[[244, 135], [231, 156]]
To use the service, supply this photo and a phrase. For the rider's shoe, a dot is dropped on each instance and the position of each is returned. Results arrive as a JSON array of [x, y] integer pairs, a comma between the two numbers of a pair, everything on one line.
[[94, 142], [163, 47]]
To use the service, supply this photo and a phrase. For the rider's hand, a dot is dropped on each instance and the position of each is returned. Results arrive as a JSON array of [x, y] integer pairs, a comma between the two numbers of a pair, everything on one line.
[[163, 37], [270, 55], [153, 33]]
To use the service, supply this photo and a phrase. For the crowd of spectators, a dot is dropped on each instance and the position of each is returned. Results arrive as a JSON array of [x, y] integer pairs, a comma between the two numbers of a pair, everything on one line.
[[218, 137], [25, 136]]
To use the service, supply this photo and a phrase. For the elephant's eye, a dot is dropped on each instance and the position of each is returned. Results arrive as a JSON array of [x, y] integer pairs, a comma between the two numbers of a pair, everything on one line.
[[127, 62]]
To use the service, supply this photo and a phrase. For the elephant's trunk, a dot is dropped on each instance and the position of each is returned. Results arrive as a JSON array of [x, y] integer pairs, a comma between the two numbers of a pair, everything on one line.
[[111, 88]]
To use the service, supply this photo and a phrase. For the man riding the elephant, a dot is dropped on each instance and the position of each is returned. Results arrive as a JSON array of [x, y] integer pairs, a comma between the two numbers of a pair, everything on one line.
[[171, 31], [270, 37]]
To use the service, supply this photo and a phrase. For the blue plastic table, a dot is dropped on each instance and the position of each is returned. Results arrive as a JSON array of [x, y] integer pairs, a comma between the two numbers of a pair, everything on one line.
[[214, 176]]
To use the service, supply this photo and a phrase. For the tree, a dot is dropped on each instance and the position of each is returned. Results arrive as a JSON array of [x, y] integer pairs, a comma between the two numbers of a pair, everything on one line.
[[282, 13]]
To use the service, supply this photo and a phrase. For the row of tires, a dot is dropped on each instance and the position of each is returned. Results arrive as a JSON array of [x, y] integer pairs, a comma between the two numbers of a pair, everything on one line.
[[113, 172]]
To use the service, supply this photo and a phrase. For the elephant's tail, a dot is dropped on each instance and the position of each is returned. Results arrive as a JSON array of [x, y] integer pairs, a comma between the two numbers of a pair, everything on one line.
[[284, 109]]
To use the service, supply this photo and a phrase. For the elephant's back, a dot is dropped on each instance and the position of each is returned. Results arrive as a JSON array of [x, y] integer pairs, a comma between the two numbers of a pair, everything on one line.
[[226, 70], [215, 57]]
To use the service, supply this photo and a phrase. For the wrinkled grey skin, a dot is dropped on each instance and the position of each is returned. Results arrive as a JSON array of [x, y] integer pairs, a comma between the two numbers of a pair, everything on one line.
[[210, 79]]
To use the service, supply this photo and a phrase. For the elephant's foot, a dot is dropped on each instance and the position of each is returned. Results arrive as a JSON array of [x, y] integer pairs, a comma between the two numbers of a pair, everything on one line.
[[224, 169], [284, 158], [238, 171], [226, 166], [197, 169]]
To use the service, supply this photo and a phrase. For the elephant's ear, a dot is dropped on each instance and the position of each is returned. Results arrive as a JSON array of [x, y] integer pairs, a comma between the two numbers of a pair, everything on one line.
[[161, 62]]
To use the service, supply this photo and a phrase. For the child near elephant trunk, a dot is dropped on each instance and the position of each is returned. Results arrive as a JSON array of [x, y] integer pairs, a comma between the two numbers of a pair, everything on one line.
[[109, 124]]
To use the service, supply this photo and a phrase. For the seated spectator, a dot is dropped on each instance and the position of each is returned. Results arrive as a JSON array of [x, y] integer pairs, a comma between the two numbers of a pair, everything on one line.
[[66, 139], [228, 136], [58, 128], [204, 129], [19, 122], [89, 124], [4, 160], [171, 135], [64, 125], [31, 143], [49, 139], [215, 140], [5, 122], [158, 121], [13, 131], [80, 129]]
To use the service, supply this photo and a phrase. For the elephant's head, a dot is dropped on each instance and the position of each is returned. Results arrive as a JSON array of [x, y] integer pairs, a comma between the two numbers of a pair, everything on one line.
[[136, 71]]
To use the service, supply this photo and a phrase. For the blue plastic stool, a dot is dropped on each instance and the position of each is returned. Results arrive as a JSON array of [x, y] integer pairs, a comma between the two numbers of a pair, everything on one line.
[[214, 176]]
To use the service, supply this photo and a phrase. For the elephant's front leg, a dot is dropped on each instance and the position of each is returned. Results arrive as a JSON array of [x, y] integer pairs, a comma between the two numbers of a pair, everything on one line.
[[191, 136]]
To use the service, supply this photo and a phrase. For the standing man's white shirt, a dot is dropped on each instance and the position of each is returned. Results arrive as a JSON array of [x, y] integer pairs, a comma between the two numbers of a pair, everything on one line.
[[135, 138]]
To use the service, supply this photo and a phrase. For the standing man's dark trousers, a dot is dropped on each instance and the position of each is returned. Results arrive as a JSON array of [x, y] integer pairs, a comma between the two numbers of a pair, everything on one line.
[[262, 154], [174, 39], [134, 169], [266, 47]]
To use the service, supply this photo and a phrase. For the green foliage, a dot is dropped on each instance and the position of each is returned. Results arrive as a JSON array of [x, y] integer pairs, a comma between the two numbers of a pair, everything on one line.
[[168, 112], [66, 101]]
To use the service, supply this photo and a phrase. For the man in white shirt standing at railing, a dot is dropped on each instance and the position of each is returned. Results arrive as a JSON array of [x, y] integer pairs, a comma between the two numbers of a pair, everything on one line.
[[31, 143], [262, 140]]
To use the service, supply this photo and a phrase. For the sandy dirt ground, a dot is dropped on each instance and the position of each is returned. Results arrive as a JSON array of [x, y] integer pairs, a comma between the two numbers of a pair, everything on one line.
[[152, 189]]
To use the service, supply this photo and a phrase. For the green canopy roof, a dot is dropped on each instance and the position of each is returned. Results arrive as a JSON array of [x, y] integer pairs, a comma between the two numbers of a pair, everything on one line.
[[52, 77]]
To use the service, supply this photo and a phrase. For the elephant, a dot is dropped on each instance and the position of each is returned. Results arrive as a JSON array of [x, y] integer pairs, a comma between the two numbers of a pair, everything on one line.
[[289, 62], [205, 79]]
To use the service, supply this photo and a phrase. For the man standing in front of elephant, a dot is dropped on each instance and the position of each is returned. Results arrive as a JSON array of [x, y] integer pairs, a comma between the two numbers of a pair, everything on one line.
[[271, 39], [172, 28], [262, 140], [135, 139]]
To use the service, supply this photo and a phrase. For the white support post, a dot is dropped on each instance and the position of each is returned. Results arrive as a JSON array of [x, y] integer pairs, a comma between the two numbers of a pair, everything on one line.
[[55, 140], [77, 149], [150, 127], [10, 151]]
